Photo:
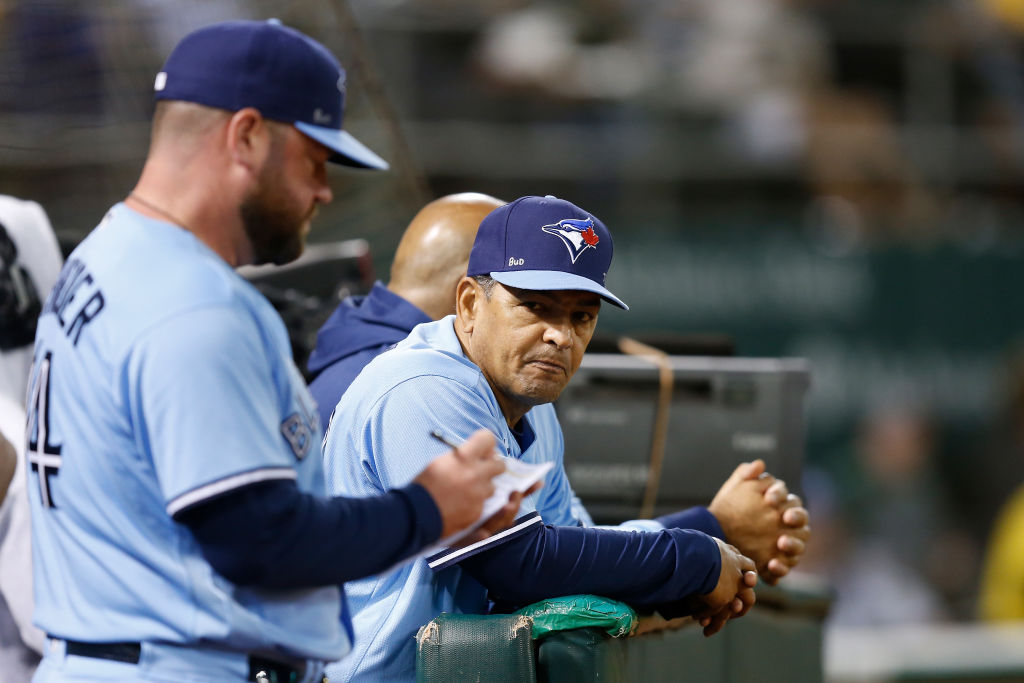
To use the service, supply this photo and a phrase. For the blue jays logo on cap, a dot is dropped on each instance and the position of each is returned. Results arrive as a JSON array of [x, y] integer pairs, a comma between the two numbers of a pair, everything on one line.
[[511, 248], [577, 235], [285, 74]]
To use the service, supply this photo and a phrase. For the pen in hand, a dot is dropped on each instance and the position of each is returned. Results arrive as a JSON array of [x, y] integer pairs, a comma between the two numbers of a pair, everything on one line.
[[441, 437]]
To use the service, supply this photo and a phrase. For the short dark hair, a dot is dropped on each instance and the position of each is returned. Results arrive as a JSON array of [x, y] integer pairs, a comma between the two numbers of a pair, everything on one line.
[[486, 283]]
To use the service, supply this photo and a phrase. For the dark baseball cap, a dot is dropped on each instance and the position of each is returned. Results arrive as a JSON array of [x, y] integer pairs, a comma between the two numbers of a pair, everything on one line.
[[544, 243], [285, 74]]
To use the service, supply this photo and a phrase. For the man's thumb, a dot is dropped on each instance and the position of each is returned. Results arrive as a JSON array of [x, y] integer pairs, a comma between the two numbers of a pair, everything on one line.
[[478, 446], [750, 470]]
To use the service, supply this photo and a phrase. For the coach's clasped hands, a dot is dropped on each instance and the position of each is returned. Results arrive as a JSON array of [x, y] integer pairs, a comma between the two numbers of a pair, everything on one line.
[[763, 519], [733, 596]]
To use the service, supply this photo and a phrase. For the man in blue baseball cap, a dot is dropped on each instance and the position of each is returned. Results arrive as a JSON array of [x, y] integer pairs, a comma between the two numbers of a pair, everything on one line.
[[524, 315], [249, 112], [181, 529], [285, 74]]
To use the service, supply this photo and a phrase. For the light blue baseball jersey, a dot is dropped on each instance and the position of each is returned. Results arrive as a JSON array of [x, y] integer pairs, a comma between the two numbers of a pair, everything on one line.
[[161, 380], [380, 439]]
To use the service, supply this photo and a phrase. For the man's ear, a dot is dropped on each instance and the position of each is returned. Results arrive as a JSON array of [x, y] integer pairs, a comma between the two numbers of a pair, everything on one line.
[[468, 294], [248, 138]]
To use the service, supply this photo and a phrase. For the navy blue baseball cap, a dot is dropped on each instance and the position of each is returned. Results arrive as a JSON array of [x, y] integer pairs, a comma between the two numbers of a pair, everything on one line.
[[544, 243], [285, 74]]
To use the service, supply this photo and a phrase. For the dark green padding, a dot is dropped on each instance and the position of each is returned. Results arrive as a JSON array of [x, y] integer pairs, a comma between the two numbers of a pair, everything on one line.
[[663, 657], [469, 647], [582, 655]]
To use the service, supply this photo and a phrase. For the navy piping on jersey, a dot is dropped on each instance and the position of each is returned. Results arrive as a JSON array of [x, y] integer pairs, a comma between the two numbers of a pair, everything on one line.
[[271, 534], [230, 483], [449, 556]]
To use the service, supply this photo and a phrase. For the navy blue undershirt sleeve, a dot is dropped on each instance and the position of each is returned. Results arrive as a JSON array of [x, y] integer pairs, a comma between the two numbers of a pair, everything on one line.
[[699, 518], [272, 535], [660, 570]]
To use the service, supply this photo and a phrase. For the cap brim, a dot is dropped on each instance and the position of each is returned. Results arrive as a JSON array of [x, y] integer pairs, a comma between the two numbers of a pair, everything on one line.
[[546, 280], [347, 150]]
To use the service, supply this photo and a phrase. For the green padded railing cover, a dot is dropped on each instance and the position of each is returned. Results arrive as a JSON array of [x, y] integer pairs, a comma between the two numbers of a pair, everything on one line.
[[580, 611]]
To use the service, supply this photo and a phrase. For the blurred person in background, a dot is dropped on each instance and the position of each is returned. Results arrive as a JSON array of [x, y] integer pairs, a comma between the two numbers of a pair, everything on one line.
[[871, 586], [899, 496], [30, 260], [1001, 593], [899, 554]]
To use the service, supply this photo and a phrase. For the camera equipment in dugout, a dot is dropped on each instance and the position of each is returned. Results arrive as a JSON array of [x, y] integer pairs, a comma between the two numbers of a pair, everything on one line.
[[722, 411], [306, 291]]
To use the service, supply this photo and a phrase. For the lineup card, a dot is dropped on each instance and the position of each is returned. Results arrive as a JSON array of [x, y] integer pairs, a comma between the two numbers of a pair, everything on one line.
[[517, 477]]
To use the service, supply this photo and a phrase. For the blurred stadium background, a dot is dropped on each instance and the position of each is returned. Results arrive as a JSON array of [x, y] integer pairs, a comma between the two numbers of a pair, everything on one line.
[[839, 180]]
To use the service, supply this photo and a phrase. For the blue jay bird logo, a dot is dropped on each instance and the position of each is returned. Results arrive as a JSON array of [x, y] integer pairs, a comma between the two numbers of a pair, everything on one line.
[[577, 234]]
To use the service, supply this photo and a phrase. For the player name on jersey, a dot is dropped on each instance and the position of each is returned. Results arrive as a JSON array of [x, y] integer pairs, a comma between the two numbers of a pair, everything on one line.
[[74, 286]]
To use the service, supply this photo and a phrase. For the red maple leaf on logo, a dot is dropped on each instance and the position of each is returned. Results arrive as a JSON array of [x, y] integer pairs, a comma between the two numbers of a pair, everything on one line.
[[590, 237]]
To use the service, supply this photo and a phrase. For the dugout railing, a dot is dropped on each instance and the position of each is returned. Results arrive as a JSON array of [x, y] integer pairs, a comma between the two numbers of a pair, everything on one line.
[[779, 640]]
